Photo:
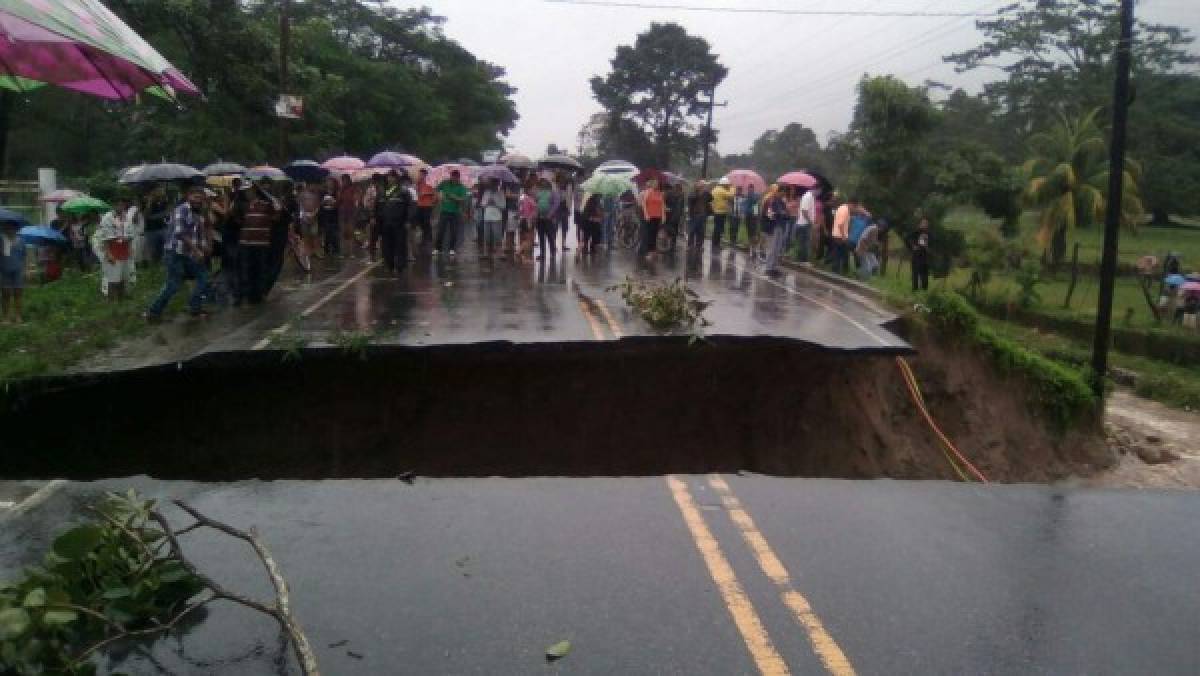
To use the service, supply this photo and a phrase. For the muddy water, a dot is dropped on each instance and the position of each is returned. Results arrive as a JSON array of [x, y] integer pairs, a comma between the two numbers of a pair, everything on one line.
[[571, 410]]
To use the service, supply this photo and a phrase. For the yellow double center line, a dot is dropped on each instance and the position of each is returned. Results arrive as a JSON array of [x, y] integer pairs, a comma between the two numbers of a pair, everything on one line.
[[754, 634]]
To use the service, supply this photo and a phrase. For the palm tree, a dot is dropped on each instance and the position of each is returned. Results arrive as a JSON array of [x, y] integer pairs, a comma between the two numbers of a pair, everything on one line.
[[1067, 180]]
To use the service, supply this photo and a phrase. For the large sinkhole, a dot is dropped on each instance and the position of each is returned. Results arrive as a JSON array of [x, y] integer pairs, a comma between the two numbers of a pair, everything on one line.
[[633, 407]]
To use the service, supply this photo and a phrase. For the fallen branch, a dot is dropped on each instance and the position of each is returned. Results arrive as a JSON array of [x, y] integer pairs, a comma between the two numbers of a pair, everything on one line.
[[282, 611]]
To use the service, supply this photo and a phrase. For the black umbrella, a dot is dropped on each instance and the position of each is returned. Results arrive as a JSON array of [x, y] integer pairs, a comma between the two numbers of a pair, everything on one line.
[[224, 169], [160, 173], [307, 171], [559, 162]]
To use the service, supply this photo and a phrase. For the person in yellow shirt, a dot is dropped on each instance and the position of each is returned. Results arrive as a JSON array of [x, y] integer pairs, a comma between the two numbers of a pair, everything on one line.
[[722, 203]]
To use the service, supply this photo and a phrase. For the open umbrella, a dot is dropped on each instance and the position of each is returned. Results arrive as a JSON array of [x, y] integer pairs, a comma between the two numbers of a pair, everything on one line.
[[442, 172], [42, 235], [467, 162], [1190, 289], [343, 164], [495, 172], [608, 185], [800, 179], [84, 205], [745, 178], [307, 171], [159, 173], [82, 46], [224, 169], [7, 216], [268, 172], [60, 195], [515, 161], [396, 160], [559, 162]]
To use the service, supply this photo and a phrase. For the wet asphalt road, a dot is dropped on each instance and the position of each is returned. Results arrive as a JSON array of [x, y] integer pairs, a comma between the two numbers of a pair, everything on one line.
[[480, 576], [466, 300]]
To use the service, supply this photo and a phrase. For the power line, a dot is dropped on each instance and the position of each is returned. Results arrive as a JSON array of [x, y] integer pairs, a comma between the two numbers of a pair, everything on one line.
[[762, 10]]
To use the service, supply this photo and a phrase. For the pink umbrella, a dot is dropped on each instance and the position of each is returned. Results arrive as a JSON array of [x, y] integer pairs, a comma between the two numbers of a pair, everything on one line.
[[744, 178], [1190, 288], [80, 45], [343, 163], [442, 172], [801, 179]]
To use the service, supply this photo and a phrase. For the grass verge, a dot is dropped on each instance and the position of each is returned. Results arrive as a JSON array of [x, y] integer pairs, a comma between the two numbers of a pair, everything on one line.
[[68, 320]]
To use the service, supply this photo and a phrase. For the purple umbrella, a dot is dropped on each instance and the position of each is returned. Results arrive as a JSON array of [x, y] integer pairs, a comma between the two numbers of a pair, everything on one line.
[[82, 46], [391, 159], [495, 172]]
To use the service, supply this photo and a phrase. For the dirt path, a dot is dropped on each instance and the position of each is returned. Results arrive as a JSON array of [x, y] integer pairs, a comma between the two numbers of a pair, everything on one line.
[[1159, 446]]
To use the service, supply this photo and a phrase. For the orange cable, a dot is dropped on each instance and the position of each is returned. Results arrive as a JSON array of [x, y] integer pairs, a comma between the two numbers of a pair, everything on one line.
[[911, 379]]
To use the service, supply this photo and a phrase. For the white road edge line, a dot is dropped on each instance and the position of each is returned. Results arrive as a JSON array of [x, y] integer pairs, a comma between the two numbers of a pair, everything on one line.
[[805, 296], [314, 307]]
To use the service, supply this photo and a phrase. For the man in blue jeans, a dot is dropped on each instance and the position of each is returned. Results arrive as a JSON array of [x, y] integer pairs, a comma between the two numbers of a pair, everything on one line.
[[186, 247]]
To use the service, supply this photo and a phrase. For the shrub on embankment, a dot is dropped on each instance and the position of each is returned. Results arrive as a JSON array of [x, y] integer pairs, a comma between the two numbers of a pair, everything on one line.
[[1057, 392]]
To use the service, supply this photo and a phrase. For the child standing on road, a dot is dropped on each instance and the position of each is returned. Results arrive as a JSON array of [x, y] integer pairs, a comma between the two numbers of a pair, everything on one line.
[[12, 273]]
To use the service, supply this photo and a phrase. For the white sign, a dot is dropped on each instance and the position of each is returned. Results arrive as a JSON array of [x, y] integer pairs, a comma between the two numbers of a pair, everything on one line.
[[290, 107], [491, 156]]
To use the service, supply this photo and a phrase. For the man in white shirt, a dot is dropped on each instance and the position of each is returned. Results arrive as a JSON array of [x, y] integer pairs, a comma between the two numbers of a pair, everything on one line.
[[805, 217]]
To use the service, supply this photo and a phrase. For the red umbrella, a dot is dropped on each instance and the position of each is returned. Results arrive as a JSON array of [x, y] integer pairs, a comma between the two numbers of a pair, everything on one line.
[[745, 178], [801, 179]]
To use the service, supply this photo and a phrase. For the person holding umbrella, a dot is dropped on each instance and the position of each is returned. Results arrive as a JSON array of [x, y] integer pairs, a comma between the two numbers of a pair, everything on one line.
[[12, 271], [722, 204], [393, 206], [654, 208], [426, 195], [186, 247], [113, 244]]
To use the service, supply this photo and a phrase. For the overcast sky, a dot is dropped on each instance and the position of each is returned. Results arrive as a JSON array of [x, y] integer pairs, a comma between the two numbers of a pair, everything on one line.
[[781, 68]]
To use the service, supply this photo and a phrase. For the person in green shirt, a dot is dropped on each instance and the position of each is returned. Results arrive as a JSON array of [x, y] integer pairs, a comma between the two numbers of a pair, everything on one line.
[[452, 196]]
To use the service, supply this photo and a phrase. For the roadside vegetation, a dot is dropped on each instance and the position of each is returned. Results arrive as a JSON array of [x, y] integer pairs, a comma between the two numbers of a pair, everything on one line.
[[69, 320]]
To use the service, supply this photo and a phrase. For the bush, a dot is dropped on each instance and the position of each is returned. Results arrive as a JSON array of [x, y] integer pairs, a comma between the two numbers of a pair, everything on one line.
[[1058, 392]]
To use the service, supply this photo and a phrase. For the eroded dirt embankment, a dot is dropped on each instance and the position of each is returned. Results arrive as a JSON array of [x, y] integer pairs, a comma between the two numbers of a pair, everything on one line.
[[629, 408]]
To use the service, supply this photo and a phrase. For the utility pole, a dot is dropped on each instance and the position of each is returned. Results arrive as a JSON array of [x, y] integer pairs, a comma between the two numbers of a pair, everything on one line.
[[712, 102], [284, 44], [1112, 216]]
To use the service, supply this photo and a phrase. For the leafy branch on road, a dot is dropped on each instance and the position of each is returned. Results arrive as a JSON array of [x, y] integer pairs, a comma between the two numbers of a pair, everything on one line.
[[292, 345], [666, 306], [122, 576]]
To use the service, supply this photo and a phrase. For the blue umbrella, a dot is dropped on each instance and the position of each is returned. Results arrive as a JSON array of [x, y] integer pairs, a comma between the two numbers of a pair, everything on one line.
[[1175, 280], [7, 216], [42, 235]]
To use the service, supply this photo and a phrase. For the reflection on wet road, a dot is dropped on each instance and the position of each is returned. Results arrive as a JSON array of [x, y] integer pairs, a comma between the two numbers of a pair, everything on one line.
[[465, 300]]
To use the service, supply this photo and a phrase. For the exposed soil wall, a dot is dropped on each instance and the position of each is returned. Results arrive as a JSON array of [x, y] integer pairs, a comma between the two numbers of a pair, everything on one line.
[[628, 408]]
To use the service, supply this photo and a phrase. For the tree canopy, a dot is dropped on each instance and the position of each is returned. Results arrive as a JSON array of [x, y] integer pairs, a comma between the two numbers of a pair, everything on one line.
[[656, 88], [372, 77]]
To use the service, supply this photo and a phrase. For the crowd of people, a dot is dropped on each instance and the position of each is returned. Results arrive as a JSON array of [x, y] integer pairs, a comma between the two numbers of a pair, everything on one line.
[[233, 239]]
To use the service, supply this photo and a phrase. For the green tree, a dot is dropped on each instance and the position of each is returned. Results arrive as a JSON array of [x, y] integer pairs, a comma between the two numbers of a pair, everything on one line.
[[657, 85], [793, 147], [372, 77], [1058, 55], [892, 171], [1067, 179]]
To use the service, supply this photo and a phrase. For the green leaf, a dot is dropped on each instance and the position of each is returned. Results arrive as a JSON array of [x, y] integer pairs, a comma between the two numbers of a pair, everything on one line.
[[59, 616], [116, 593], [78, 542], [13, 622], [36, 598], [558, 650]]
